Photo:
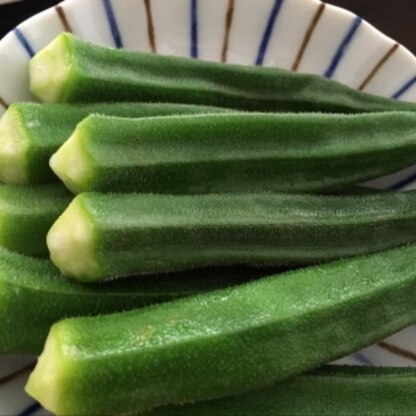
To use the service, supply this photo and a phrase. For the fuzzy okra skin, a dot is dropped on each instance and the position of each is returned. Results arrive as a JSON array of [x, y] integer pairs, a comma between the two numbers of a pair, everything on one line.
[[235, 152], [225, 342], [30, 133], [26, 215], [329, 391], [103, 236], [34, 295], [72, 70]]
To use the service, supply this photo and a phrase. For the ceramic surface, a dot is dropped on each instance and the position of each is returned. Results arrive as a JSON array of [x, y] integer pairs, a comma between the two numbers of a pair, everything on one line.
[[302, 35]]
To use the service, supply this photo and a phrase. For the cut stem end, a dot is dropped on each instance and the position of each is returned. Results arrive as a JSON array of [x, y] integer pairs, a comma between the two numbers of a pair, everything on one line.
[[71, 243]]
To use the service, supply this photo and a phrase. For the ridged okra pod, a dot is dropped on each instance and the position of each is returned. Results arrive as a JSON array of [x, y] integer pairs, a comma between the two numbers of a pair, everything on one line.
[[103, 236], [72, 70], [235, 152], [226, 342], [330, 391]]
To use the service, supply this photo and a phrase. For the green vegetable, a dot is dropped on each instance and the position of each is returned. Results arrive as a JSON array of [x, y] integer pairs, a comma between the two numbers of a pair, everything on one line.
[[30, 133], [34, 295], [73, 70], [354, 190], [27, 213], [101, 236], [330, 391], [235, 152], [226, 342]]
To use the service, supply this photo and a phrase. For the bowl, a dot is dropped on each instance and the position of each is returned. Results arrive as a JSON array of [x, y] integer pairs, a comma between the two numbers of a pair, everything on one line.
[[301, 35]]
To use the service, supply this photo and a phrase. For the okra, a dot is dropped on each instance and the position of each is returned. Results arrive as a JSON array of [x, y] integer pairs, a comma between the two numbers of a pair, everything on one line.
[[34, 295], [72, 70], [354, 190], [225, 342], [30, 133], [26, 215], [103, 236], [235, 152], [330, 391]]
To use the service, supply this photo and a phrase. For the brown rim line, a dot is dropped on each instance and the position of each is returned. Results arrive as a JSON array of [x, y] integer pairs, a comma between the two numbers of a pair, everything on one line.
[[393, 349], [150, 25], [17, 373], [308, 34], [63, 18], [378, 66], [3, 103], [228, 23]]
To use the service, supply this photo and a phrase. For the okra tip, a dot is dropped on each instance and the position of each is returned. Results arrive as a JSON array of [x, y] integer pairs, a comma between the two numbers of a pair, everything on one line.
[[50, 70], [72, 163], [13, 148], [71, 243], [45, 382]]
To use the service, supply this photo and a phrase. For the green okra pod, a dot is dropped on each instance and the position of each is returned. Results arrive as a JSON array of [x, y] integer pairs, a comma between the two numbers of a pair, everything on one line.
[[330, 391], [235, 152], [72, 70], [226, 342], [27, 213], [104, 236], [34, 295], [30, 133]]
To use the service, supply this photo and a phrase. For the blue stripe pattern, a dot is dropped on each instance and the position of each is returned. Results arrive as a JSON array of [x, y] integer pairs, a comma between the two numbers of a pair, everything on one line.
[[409, 84], [339, 54], [115, 31], [29, 411], [268, 31], [194, 28], [24, 42], [363, 359]]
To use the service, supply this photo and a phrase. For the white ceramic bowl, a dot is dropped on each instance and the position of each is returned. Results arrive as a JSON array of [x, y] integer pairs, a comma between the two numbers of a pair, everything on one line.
[[304, 35]]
